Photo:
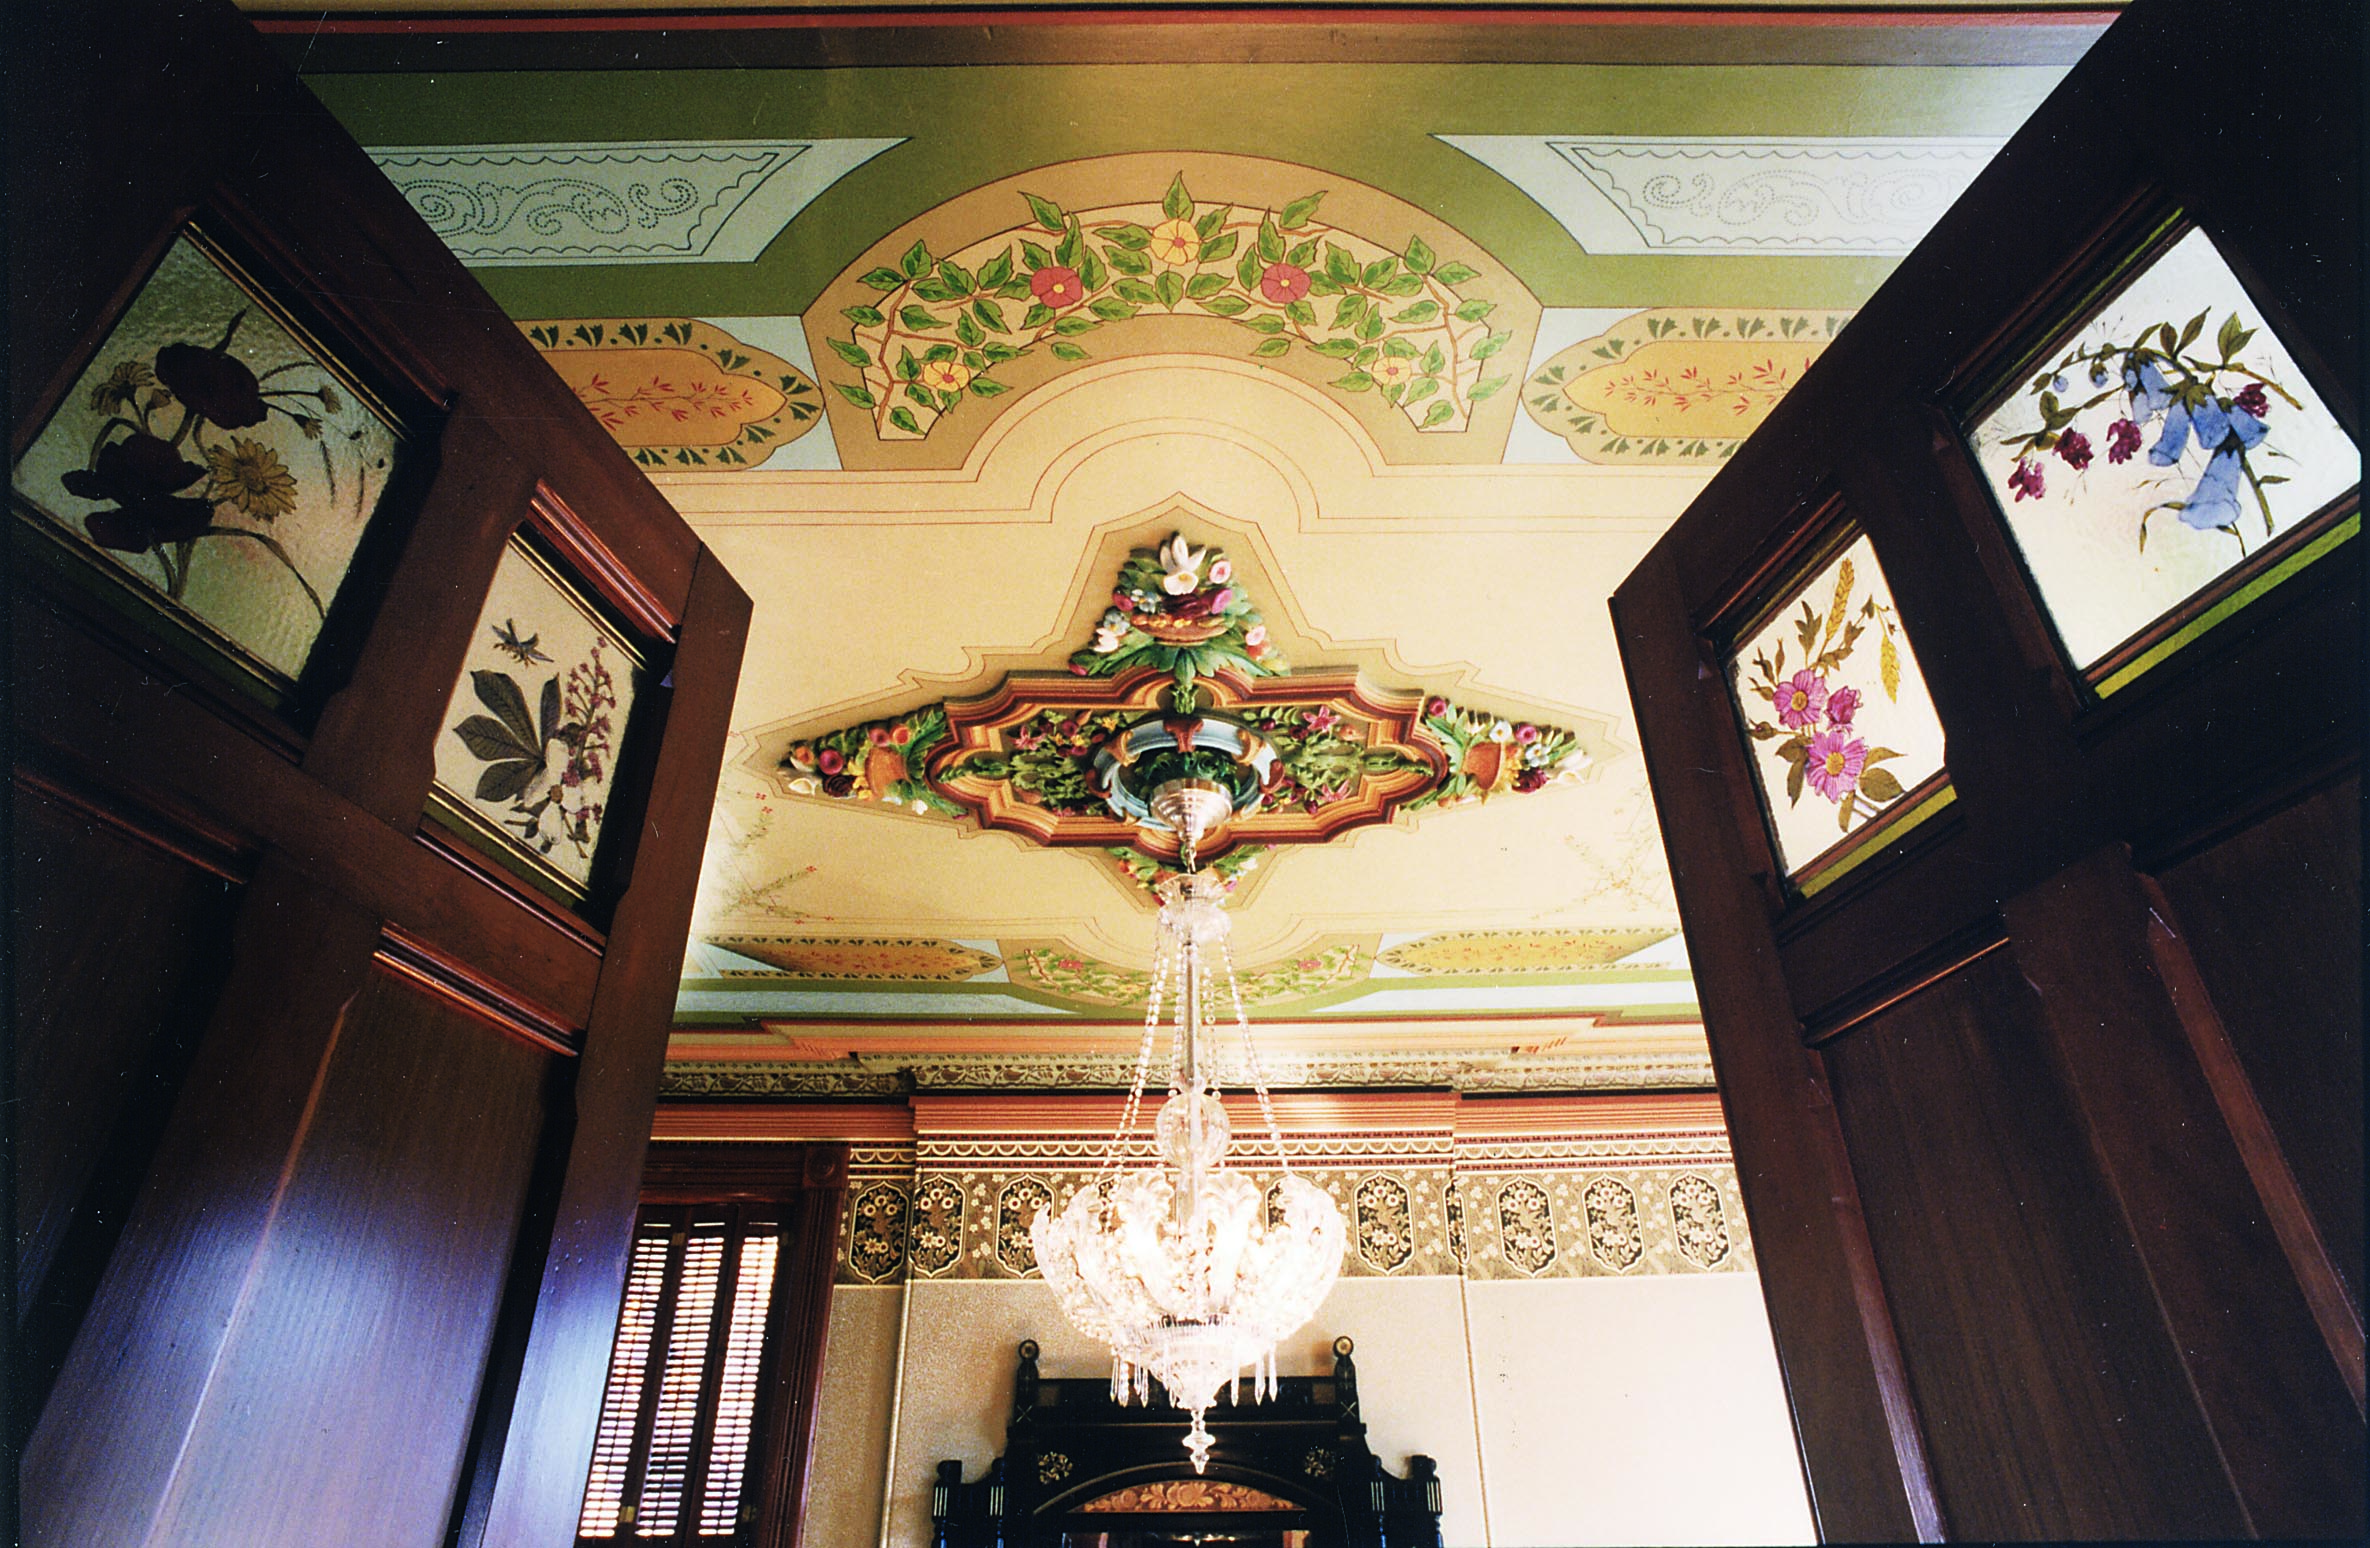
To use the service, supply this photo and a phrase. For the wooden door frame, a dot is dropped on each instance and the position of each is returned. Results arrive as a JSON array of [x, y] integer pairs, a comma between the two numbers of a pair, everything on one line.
[[2029, 848], [320, 815]]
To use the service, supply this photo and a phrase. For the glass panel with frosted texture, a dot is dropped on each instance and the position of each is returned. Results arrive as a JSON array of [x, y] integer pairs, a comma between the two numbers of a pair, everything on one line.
[[2165, 441], [215, 460], [1830, 694], [530, 737]]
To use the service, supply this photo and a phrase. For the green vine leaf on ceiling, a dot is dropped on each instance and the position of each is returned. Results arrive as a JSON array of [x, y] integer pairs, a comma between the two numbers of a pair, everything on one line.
[[1395, 322]]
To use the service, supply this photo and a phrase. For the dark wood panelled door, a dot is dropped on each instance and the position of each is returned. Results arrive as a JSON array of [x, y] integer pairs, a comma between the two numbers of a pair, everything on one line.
[[2002, 703], [367, 710]]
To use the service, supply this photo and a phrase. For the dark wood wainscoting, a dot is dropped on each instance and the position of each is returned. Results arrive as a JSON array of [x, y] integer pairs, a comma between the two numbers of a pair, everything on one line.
[[332, 1109], [2044, 1080]]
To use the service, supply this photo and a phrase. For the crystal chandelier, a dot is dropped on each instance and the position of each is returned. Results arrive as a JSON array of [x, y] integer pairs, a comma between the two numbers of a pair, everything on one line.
[[1185, 1270]]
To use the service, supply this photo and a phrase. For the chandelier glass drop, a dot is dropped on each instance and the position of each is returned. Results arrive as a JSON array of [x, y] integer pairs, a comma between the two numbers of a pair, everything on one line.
[[1185, 1269]]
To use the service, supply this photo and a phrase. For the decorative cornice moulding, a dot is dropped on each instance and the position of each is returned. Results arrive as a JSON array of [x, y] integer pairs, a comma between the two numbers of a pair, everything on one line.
[[1829, 196], [616, 202]]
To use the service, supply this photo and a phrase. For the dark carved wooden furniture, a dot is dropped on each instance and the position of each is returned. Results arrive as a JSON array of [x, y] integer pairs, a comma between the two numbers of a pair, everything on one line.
[[2048, 1110], [1078, 1464]]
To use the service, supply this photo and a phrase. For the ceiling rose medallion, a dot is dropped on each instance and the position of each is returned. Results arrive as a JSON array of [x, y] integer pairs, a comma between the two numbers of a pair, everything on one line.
[[1181, 680]]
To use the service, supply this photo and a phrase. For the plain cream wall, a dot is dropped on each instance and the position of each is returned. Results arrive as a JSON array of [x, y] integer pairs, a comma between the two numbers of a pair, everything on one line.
[[1633, 1411], [1562, 1411]]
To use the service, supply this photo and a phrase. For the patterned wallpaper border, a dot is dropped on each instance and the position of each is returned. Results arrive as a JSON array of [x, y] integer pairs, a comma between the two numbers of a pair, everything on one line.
[[944, 1216]]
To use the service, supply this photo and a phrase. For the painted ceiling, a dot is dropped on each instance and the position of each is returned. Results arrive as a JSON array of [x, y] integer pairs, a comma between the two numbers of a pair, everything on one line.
[[1415, 335]]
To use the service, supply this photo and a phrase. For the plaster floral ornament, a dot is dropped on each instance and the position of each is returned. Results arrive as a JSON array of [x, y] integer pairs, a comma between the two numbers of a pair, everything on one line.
[[880, 760], [1176, 607], [1489, 754], [1826, 688], [1320, 758], [676, 392], [1180, 678], [1394, 320], [2155, 448], [1675, 386], [529, 749], [209, 454], [1146, 871]]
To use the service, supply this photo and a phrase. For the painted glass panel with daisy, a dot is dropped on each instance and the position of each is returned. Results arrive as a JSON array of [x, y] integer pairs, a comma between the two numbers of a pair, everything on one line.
[[1832, 698], [211, 456], [2156, 449]]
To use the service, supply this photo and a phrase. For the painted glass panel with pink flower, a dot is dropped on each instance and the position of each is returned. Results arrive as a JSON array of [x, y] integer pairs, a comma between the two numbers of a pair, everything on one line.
[[1832, 698], [2156, 449], [529, 748], [213, 458]]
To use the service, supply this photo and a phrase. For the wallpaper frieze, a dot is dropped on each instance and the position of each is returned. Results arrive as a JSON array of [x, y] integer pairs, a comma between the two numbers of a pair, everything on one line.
[[1413, 1210]]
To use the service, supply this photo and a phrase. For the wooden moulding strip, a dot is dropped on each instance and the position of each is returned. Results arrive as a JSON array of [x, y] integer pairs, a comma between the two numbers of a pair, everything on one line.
[[1297, 1112], [803, 1121], [1543, 1117]]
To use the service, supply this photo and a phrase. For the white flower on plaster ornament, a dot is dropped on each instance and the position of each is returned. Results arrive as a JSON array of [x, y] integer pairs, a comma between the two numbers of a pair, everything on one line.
[[1183, 563]]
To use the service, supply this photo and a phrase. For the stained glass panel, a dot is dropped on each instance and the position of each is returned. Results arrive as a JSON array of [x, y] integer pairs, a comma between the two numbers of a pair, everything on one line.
[[1831, 696], [2166, 441], [529, 747], [214, 459]]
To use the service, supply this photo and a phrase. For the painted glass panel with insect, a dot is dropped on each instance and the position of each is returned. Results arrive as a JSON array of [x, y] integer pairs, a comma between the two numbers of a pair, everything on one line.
[[529, 748], [1831, 696], [214, 458], [2155, 449]]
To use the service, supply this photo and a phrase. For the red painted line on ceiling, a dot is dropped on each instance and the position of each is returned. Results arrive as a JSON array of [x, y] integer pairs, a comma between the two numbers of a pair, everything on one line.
[[1412, 16]]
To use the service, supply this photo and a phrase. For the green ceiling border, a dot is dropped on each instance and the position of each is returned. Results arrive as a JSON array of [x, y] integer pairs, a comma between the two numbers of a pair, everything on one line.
[[1369, 122]]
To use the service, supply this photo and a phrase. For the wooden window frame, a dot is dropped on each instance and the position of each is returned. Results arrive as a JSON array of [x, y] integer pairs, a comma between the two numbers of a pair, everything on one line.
[[800, 1191]]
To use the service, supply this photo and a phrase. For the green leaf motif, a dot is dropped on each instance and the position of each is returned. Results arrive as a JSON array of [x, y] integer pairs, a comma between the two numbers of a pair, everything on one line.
[[1269, 349], [1880, 785], [1439, 414], [903, 419], [1297, 213], [1177, 204], [1049, 214], [916, 261], [855, 394], [854, 354]]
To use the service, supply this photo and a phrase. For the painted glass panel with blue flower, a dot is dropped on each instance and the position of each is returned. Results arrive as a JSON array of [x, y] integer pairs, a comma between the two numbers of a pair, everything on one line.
[[1832, 698], [212, 457], [2156, 449]]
